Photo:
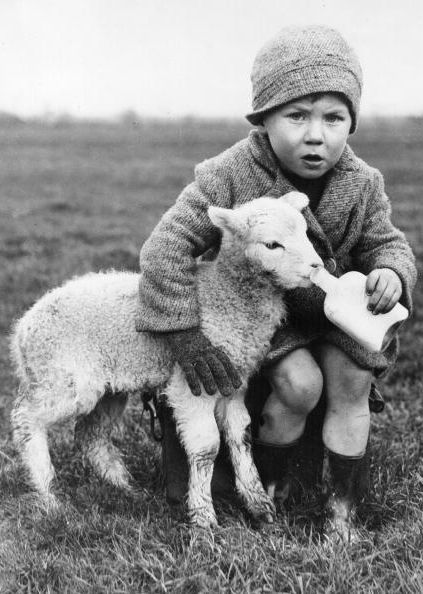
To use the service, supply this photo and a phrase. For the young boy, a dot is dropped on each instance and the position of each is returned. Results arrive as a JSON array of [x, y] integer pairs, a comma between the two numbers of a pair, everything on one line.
[[306, 91]]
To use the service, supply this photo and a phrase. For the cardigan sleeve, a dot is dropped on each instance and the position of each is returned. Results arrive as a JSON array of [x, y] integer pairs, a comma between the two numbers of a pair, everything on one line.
[[382, 245], [167, 287]]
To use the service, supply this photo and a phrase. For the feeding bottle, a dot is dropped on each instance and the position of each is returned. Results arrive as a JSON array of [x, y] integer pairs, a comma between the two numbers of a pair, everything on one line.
[[346, 304]]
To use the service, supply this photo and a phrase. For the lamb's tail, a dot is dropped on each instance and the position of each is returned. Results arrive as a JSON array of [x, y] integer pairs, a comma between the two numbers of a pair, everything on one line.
[[18, 352]]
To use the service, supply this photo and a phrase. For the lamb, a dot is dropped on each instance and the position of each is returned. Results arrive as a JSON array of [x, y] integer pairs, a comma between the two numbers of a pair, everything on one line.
[[78, 355]]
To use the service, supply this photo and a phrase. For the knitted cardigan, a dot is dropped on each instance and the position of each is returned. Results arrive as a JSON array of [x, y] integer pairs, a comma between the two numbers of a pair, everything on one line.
[[350, 226]]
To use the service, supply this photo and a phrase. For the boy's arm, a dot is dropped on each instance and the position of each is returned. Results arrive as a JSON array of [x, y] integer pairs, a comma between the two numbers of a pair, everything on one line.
[[167, 288], [168, 266], [382, 245]]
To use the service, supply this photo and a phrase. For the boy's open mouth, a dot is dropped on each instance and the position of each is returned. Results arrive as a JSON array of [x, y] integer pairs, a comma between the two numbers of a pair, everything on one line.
[[312, 158]]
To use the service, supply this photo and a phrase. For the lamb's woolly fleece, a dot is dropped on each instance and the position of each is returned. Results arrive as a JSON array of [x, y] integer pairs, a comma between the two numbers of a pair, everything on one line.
[[83, 333]]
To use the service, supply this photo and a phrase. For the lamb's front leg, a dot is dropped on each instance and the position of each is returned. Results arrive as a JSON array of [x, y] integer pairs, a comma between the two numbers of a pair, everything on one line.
[[199, 434], [234, 421]]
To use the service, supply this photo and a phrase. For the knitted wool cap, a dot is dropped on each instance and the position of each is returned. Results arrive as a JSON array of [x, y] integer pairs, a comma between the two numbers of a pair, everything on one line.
[[304, 60]]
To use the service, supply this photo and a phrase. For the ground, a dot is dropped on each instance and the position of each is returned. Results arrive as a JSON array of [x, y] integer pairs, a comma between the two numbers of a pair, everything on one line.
[[76, 197]]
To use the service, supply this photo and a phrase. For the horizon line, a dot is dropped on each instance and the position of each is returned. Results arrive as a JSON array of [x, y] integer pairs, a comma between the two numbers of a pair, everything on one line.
[[132, 116]]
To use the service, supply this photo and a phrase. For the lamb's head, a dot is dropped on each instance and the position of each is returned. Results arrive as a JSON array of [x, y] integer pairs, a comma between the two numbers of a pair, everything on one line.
[[272, 234]]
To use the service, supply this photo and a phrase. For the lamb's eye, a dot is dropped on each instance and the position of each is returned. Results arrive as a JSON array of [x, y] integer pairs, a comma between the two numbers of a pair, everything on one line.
[[273, 245]]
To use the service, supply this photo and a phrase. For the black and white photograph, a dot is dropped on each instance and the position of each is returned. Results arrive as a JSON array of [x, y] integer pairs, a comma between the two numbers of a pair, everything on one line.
[[211, 345]]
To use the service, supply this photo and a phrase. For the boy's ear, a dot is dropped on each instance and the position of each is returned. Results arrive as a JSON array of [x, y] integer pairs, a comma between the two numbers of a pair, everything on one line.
[[224, 218], [296, 199]]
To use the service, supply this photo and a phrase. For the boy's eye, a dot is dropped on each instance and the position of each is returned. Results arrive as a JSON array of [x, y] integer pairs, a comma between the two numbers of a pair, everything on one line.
[[297, 116], [273, 245], [333, 118]]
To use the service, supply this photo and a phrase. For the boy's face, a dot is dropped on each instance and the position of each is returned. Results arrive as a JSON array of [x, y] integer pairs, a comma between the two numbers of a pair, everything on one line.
[[308, 135]]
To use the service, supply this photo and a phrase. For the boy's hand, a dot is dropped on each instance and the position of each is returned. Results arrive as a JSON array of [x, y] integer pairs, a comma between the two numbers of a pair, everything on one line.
[[203, 363], [384, 287]]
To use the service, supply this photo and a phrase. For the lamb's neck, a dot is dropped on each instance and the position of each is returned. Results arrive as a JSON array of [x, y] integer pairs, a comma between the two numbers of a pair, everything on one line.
[[241, 307], [236, 273]]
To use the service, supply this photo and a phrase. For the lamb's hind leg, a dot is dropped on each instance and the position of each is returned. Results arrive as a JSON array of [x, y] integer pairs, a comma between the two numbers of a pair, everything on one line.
[[199, 434], [93, 433], [31, 441], [35, 410], [234, 421]]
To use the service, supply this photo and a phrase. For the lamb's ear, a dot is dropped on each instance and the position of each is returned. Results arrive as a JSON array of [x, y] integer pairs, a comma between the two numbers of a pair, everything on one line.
[[297, 200], [224, 218]]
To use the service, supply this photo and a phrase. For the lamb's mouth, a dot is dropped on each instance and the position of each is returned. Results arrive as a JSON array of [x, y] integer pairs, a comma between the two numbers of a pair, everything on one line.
[[303, 280]]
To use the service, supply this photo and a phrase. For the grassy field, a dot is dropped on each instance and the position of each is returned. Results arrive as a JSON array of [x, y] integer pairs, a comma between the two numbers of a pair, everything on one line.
[[80, 197]]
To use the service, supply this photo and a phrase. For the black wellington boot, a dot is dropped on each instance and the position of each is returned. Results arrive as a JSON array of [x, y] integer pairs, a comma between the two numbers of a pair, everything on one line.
[[345, 484], [277, 466], [174, 459]]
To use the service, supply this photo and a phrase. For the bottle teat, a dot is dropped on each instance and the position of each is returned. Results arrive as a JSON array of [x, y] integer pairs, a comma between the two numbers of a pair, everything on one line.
[[321, 277]]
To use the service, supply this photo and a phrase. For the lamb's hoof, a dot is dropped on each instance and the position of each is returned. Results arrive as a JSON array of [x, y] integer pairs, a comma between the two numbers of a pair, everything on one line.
[[204, 521], [120, 478], [49, 503], [339, 532], [268, 518], [131, 487], [264, 512], [134, 491], [259, 520]]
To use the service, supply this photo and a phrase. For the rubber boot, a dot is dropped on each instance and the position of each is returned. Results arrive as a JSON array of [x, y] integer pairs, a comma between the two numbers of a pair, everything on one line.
[[306, 466], [345, 484], [278, 468], [175, 463], [174, 459]]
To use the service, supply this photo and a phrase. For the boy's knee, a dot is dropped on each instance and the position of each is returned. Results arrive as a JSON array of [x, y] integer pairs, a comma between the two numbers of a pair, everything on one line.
[[345, 379], [356, 377], [297, 381]]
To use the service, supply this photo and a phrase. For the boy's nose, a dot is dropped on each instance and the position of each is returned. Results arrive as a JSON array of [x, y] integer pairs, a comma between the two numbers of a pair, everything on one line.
[[314, 133]]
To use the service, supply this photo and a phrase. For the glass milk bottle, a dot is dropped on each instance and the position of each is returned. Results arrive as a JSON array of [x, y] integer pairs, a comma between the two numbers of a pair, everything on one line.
[[346, 306]]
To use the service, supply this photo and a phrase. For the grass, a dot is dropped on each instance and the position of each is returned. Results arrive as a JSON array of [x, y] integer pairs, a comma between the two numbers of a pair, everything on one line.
[[79, 197]]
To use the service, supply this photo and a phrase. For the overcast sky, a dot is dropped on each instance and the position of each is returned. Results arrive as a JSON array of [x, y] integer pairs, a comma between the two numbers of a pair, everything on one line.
[[178, 57]]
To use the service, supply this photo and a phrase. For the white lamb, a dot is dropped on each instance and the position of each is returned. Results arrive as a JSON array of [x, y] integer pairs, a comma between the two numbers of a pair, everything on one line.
[[78, 355]]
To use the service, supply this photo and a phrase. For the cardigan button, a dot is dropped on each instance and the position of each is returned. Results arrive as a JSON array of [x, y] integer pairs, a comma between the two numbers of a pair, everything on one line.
[[330, 265]]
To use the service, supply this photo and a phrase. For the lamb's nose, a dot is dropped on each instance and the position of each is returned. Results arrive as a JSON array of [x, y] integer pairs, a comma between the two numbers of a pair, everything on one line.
[[317, 264]]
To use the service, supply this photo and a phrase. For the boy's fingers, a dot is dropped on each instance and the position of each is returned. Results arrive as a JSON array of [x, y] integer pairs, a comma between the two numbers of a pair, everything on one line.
[[230, 370], [381, 304], [371, 282], [206, 376], [384, 289], [389, 296], [220, 376], [390, 302], [377, 294], [192, 379]]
